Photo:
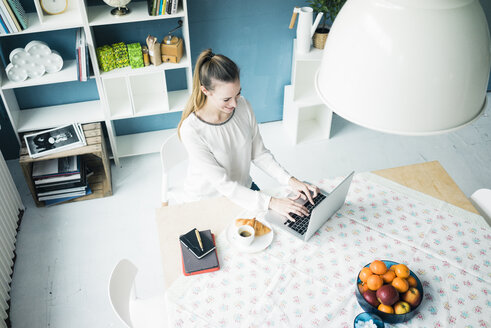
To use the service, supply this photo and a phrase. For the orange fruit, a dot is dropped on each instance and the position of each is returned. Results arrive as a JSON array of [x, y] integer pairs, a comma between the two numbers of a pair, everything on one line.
[[392, 268], [388, 276], [401, 271], [386, 308], [412, 281], [374, 282], [362, 287], [378, 267], [400, 284], [364, 274]]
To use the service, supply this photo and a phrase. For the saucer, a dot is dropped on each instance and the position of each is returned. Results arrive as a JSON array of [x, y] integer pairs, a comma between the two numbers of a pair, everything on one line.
[[257, 245]]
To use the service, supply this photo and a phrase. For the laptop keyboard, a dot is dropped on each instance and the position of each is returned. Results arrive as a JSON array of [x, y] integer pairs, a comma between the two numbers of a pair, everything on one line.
[[302, 222]]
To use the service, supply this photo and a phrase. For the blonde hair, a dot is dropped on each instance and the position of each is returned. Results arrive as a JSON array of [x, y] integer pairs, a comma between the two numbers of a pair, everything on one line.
[[209, 68]]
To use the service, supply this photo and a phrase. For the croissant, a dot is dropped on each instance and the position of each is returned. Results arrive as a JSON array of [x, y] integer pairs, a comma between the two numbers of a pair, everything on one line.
[[259, 228]]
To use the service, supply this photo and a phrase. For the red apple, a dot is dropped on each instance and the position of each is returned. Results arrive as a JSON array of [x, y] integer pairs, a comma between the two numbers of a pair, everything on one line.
[[371, 297], [412, 296], [387, 295], [402, 307]]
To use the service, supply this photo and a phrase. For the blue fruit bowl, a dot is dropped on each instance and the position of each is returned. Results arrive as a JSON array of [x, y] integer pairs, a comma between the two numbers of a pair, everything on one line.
[[388, 317]]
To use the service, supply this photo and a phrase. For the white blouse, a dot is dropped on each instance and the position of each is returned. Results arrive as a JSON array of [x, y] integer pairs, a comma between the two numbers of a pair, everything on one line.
[[220, 158]]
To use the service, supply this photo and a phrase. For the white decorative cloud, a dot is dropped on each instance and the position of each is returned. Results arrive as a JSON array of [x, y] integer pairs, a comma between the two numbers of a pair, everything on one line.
[[35, 59]]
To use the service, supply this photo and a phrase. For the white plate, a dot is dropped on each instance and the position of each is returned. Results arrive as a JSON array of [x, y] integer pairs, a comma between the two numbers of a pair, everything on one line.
[[257, 245]]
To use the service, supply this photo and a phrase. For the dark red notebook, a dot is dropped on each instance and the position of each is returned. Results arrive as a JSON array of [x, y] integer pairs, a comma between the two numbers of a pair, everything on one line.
[[191, 265]]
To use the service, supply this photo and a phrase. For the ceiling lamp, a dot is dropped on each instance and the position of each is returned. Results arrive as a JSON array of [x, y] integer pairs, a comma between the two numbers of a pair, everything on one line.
[[409, 67]]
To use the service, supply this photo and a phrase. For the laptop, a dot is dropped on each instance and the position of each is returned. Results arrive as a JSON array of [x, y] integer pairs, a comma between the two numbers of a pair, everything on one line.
[[325, 205]]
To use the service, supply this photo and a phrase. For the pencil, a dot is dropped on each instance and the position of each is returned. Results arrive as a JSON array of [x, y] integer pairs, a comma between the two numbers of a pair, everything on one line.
[[199, 239]]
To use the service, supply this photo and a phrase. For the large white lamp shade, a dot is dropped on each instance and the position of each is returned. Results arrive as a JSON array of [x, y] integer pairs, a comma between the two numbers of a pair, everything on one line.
[[410, 67]]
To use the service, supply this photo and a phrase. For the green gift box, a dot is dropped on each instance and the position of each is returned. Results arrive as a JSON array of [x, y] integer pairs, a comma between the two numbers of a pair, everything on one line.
[[120, 55], [105, 58], [135, 55]]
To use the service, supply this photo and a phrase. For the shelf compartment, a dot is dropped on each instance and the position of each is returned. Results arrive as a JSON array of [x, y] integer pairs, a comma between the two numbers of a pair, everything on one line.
[[178, 100], [142, 143], [100, 15], [118, 98], [149, 94], [126, 71], [47, 117], [314, 123], [67, 74]]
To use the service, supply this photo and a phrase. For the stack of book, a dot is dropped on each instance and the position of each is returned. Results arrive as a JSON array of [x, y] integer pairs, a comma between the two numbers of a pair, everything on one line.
[[162, 7], [82, 55], [198, 252], [60, 179], [13, 18]]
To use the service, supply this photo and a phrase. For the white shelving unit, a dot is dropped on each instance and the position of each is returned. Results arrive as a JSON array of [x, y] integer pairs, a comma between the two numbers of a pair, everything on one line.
[[123, 93], [305, 117]]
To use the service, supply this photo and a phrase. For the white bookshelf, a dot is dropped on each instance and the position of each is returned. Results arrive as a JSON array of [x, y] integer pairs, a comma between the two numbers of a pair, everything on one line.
[[305, 117], [124, 93]]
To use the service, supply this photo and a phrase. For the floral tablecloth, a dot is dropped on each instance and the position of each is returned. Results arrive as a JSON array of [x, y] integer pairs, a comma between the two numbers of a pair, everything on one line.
[[312, 284]]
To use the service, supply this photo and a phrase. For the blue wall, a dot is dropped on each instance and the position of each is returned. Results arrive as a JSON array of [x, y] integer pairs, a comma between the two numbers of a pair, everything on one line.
[[255, 35]]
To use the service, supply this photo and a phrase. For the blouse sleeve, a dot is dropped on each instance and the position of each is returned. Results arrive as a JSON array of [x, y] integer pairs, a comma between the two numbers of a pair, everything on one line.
[[217, 176], [262, 157]]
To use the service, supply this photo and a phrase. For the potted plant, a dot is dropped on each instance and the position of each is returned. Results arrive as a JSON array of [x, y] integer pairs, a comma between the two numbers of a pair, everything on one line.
[[330, 8]]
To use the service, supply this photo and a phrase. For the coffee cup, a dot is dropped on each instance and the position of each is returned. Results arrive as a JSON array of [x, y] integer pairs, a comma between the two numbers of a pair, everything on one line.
[[244, 235]]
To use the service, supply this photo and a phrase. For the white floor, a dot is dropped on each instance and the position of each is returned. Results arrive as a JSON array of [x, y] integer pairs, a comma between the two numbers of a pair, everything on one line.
[[65, 253]]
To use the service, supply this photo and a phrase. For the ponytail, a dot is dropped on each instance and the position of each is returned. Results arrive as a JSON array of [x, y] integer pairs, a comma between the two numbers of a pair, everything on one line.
[[209, 68]]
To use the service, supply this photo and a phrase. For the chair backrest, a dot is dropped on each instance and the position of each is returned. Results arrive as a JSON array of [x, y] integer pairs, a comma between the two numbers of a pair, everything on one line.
[[481, 199], [121, 289], [172, 153]]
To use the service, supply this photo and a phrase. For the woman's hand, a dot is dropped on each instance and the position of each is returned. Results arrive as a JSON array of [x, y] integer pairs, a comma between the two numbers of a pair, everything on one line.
[[285, 206], [303, 189]]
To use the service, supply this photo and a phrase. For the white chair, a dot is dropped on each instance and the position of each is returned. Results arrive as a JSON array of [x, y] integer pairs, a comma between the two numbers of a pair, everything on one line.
[[134, 312], [172, 153], [481, 199]]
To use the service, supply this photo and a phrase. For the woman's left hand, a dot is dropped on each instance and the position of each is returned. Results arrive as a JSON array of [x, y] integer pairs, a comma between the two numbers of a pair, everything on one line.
[[306, 191]]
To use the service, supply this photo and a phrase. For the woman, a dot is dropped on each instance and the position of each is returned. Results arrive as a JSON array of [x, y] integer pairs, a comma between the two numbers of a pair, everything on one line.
[[220, 133]]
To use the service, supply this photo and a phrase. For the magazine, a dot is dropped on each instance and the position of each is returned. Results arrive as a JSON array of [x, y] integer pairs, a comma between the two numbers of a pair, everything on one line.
[[55, 140]]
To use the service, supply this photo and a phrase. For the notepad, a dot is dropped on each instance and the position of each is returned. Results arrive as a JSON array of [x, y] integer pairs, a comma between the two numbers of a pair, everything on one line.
[[191, 265], [191, 241]]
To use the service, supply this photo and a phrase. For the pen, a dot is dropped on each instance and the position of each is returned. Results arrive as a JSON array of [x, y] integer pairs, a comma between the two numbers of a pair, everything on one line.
[[199, 239]]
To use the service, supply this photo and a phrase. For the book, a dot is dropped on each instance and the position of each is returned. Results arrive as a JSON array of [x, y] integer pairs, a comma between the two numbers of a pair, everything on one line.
[[19, 12], [62, 195], [61, 178], [4, 28], [6, 18], [56, 167], [64, 186], [54, 140], [12, 19], [168, 6], [55, 201], [191, 265], [174, 6]]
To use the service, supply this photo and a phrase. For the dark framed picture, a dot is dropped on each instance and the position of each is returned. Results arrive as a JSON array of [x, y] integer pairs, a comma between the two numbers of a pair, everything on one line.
[[54, 140]]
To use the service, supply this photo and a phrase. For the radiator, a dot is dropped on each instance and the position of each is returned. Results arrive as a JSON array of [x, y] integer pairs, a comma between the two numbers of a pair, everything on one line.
[[11, 209]]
